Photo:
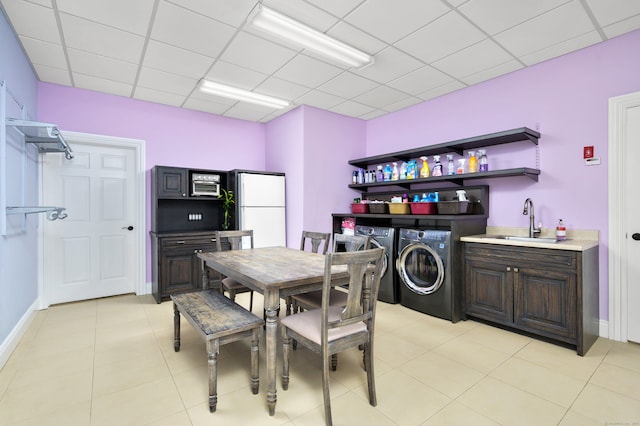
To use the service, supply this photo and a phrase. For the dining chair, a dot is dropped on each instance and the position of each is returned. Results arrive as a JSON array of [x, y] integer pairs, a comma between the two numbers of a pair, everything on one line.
[[332, 329], [234, 239]]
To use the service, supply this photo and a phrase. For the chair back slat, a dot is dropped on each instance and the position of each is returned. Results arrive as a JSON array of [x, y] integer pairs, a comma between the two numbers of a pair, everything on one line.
[[234, 238], [364, 269], [316, 239], [342, 242]]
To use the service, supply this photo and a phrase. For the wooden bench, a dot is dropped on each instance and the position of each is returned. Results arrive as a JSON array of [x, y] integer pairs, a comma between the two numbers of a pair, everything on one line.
[[219, 321]]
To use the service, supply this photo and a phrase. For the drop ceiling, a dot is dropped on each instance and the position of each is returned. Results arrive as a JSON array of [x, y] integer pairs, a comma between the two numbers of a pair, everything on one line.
[[159, 50]]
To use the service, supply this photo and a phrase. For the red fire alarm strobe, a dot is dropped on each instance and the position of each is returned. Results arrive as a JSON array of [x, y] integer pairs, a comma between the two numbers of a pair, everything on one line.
[[588, 152]]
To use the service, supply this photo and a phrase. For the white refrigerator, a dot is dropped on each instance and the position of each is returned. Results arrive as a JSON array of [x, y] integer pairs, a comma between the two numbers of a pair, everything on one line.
[[261, 207]]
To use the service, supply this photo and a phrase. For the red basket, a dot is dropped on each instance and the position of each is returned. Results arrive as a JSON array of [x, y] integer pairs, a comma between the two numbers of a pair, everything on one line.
[[359, 208], [424, 208]]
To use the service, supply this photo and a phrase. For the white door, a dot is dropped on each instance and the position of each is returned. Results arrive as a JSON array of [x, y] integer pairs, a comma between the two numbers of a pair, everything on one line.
[[91, 253], [624, 220], [632, 233]]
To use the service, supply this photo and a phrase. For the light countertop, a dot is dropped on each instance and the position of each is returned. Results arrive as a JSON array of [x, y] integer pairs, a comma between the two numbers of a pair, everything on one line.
[[577, 240]]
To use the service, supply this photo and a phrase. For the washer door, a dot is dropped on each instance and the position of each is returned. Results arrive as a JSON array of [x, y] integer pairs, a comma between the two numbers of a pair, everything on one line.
[[385, 259], [420, 268]]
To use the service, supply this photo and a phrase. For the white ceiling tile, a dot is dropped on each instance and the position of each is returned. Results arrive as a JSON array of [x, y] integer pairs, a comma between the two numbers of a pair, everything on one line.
[[622, 27], [391, 21], [24, 15], [44, 53], [281, 89], [457, 3], [102, 67], [208, 97], [404, 103], [132, 16], [307, 71], [352, 109], [338, 8], [608, 12], [559, 49], [101, 39], [90, 82], [165, 57], [244, 111], [389, 64], [319, 99], [348, 85], [380, 97], [53, 75], [441, 90], [206, 106], [426, 43], [373, 114], [492, 72], [255, 53], [234, 75], [473, 59], [183, 28], [158, 97], [420, 80], [551, 28], [494, 16], [46, 3], [230, 12], [166, 82]]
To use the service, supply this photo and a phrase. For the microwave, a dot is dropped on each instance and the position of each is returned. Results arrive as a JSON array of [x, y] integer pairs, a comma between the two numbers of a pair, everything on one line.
[[205, 184]]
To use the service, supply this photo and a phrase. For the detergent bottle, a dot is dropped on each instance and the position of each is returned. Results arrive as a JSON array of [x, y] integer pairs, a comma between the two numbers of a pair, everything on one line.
[[437, 168], [473, 162], [403, 170], [451, 168], [395, 174], [387, 173], [424, 171], [411, 169]]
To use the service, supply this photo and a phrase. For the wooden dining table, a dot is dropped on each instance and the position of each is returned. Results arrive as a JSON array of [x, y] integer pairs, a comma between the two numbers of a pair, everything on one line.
[[276, 272]]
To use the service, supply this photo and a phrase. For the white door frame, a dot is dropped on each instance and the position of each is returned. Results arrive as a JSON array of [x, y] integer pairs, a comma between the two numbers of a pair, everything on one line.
[[140, 187], [618, 279]]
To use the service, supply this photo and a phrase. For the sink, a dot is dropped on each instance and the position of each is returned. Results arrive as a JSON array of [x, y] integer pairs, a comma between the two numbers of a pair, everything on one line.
[[521, 238]]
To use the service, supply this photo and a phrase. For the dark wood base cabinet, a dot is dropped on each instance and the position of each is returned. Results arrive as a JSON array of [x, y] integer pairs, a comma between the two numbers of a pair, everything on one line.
[[176, 266], [547, 292]]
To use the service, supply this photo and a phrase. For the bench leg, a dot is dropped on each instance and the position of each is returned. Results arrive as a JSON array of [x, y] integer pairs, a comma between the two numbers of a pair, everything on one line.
[[213, 348], [255, 357], [176, 328]]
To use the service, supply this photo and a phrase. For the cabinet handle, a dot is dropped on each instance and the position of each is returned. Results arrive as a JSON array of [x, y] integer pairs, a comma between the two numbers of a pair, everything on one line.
[[508, 268], [516, 270], [180, 242]]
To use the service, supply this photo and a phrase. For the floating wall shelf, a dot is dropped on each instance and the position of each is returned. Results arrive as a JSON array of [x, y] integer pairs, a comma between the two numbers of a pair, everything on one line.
[[53, 213], [45, 136]]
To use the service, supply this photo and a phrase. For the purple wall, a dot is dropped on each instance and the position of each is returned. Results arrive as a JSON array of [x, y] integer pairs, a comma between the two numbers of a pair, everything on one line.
[[568, 98], [173, 136]]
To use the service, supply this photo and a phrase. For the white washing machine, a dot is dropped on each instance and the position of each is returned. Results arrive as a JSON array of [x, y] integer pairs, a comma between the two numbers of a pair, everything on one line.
[[384, 237], [424, 270]]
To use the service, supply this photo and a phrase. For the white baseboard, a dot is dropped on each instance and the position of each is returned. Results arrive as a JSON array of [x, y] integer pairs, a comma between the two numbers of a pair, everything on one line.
[[11, 342], [604, 329]]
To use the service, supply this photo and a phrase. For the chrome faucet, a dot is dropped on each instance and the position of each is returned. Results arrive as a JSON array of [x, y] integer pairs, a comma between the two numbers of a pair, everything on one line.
[[533, 231]]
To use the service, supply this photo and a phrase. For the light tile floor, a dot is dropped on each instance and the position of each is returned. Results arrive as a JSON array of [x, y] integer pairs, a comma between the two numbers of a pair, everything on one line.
[[111, 362]]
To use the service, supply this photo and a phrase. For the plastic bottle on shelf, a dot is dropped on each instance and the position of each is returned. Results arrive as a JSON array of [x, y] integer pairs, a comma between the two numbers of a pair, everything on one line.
[[360, 176], [437, 168], [411, 169], [387, 173], [561, 231], [395, 174], [483, 161], [379, 174], [461, 167], [451, 167], [473, 162], [403, 170], [424, 171]]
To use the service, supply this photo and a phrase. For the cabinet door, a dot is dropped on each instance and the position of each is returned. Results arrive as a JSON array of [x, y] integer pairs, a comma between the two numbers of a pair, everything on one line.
[[545, 302], [489, 290], [171, 182], [180, 271]]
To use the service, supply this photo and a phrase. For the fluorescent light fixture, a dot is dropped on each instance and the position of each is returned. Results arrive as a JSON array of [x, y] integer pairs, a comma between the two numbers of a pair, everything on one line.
[[242, 95], [276, 23]]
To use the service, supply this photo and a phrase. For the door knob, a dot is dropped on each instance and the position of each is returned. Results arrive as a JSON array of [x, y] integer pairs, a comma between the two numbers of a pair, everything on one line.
[[130, 228], [636, 236]]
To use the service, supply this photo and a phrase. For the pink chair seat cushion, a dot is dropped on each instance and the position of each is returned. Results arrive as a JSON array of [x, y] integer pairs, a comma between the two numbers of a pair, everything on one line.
[[309, 324]]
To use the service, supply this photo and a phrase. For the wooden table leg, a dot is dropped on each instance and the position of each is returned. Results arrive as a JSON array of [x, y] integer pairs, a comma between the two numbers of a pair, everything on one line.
[[176, 328], [271, 306]]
